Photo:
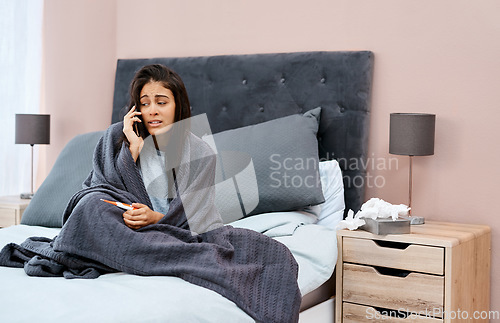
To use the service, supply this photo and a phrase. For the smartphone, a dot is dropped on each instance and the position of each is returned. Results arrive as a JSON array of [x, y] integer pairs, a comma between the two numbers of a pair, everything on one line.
[[136, 124], [136, 129]]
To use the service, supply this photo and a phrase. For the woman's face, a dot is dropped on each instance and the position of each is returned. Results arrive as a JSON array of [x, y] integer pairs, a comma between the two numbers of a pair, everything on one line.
[[157, 106]]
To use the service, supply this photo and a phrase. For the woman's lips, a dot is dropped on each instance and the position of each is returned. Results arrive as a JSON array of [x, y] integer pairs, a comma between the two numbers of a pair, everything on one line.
[[155, 123]]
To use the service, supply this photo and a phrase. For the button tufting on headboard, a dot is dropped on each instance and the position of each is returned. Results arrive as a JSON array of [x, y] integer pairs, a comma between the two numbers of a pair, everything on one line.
[[281, 84]]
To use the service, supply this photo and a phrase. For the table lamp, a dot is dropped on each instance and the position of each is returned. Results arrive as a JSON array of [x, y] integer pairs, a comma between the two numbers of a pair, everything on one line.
[[412, 134], [32, 129]]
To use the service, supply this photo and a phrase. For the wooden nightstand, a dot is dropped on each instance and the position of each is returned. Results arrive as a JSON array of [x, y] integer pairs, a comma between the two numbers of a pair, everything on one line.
[[11, 210], [440, 272]]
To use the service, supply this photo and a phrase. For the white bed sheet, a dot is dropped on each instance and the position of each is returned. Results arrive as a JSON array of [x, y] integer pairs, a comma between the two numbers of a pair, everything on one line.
[[122, 297]]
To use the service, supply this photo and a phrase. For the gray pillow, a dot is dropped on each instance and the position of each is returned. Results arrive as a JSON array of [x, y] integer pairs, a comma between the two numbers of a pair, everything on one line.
[[279, 156], [284, 154], [71, 168]]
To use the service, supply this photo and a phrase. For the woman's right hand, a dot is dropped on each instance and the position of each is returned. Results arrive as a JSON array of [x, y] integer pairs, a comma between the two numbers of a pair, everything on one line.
[[135, 141]]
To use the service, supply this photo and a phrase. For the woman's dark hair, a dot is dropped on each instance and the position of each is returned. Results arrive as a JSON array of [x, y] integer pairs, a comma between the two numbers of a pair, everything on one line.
[[170, 80]]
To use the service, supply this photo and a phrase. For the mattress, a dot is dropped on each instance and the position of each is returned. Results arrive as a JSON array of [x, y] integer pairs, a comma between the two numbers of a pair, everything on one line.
[[121, 297]]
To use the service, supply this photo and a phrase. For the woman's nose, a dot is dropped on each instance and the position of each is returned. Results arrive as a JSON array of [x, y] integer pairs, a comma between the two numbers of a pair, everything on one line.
[[154, 110]]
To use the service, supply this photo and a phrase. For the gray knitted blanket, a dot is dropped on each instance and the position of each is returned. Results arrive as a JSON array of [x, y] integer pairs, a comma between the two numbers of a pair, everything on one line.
[[254, 271]]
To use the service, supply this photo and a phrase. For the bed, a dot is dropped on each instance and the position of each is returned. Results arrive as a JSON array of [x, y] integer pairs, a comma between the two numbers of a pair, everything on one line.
[[302, 118]]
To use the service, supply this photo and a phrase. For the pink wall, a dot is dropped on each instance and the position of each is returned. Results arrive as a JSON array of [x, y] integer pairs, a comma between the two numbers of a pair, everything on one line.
[[438, 57], [80, 62]]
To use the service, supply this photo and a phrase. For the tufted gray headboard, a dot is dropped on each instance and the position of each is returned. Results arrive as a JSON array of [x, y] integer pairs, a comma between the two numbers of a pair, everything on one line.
[[240, 90]]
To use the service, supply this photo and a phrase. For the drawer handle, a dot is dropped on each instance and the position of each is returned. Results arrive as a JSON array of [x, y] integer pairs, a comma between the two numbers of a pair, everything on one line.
[[391, 271], [392, 244]]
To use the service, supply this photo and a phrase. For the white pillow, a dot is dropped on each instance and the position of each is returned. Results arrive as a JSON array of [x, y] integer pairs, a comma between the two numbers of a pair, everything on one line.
[[332, 211]]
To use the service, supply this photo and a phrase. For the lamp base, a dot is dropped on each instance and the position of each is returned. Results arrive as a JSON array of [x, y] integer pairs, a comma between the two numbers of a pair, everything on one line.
[[415, 220], [26, 196]]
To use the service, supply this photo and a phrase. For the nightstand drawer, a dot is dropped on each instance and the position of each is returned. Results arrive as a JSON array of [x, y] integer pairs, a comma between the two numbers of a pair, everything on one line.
[[359, 313], [412, 257], [393, 289], [7, 217]]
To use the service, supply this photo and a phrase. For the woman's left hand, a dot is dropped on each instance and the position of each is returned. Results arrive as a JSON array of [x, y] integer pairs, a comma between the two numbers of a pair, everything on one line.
[[141, 216]]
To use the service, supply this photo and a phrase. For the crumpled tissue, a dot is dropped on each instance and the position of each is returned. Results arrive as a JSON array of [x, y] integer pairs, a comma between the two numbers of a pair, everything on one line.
[[373, 208]]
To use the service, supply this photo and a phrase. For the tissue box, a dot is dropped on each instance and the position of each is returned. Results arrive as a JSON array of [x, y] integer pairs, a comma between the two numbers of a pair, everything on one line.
[[386, 226]]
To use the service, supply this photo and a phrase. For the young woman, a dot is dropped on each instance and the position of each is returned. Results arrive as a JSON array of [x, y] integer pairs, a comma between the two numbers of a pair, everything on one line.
[[159, 109]]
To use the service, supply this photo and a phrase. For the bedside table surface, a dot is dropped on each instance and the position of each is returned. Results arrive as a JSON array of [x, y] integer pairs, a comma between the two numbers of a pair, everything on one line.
[[443, 234], [13, 200]]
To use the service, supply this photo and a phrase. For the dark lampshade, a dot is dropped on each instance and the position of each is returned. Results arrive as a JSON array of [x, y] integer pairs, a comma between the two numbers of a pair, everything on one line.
[[412, 134], [33, 129]]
